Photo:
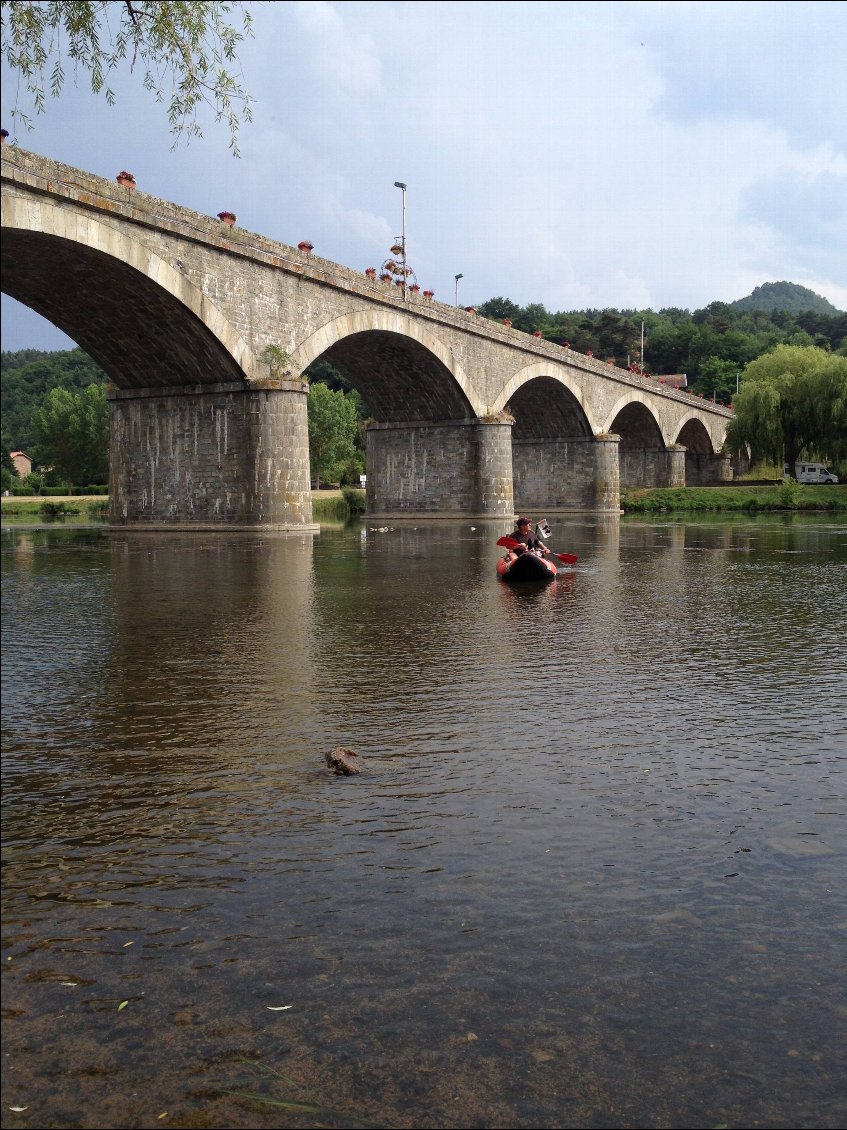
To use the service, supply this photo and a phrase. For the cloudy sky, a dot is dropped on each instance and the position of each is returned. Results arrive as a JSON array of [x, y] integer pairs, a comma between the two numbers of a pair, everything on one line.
[[579, 155]]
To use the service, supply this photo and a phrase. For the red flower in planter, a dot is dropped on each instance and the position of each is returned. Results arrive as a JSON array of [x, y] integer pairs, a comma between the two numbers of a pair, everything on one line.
[[385, 277], [304, 245], [537, 333], [414, 288], [506, 322], [566, 345], [370, 272], [470, 309], [589, 353], [227, 218], [125, 178], [429, 294]]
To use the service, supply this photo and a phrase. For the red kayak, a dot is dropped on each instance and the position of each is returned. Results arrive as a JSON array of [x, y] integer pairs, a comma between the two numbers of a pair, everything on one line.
[[527, 566], [530, 564]]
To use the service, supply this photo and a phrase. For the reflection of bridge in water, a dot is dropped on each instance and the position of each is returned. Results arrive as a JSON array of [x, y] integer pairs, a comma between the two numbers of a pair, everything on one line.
[[468, 417]]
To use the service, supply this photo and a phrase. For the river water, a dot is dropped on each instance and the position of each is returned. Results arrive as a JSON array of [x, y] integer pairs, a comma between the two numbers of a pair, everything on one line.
[[592, 873]]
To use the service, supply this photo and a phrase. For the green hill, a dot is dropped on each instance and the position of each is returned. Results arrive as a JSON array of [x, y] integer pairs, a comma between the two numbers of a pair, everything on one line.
[[791, 297]]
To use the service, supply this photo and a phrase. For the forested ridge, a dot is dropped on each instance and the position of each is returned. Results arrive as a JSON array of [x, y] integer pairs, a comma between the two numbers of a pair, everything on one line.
[[711, 346]]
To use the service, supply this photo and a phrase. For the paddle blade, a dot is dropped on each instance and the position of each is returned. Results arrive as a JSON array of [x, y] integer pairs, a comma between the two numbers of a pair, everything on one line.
[[508, 543], [568, 558]]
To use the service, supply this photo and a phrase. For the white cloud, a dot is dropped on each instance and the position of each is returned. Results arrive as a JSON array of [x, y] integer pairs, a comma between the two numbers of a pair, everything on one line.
[[347, 57], [577, 155]]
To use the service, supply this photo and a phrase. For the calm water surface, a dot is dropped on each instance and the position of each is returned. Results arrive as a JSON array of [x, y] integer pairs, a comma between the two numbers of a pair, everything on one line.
[[592, 873]]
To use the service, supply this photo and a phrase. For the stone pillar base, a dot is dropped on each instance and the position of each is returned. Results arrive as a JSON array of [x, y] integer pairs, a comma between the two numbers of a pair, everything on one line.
[[675, 466], [457, 468], [226, 455]]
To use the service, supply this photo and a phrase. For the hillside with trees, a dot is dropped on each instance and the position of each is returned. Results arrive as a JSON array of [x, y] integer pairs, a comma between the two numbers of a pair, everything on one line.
[[711, 346], [787, 296]]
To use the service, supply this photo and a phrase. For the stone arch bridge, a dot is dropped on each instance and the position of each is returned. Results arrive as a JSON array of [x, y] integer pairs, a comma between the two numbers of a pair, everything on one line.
[[469, 417]]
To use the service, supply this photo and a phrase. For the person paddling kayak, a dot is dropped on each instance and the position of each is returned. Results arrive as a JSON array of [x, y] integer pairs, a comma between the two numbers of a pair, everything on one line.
[[523, 534], [527, 555]]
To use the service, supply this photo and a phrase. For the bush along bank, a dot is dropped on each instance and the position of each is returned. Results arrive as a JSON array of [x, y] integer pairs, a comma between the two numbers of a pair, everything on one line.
[[737, 498], [94, 509]]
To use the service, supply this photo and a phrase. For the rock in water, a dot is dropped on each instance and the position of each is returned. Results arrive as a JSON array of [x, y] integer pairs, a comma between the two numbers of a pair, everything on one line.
[[343, 761]]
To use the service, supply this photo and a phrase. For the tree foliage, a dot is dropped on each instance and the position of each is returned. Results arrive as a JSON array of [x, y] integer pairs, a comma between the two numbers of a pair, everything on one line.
[[186, 53], [333, 431], [72, 433], [792, 402], [26, 377]]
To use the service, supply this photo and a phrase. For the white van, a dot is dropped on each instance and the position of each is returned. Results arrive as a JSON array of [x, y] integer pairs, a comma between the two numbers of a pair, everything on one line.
[[813, 473]]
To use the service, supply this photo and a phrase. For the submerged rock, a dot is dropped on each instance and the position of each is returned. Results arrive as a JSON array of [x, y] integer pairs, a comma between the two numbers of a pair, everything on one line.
[[343, 761]]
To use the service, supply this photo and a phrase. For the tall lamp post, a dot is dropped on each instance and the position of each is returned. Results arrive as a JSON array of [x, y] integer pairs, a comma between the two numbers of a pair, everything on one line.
[[399, 184], [457, 277]]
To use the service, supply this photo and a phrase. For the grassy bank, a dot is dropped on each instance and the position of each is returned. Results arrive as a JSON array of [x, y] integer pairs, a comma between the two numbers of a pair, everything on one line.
[[736, 497], [326, 505], [339, 505], [89, 507]]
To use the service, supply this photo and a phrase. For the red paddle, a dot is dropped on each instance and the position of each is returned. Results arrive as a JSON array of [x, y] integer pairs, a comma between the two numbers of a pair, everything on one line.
[[511, 543]]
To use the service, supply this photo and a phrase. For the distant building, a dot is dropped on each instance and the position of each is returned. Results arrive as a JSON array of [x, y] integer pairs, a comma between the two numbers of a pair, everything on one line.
[[21, 462]]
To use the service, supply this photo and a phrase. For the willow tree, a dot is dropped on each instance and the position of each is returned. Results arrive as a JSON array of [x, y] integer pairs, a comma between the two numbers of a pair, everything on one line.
[[792, 401], [184, 53]]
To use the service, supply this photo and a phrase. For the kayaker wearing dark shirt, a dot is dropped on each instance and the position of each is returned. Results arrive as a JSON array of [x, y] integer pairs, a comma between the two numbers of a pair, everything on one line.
[[523, 533]]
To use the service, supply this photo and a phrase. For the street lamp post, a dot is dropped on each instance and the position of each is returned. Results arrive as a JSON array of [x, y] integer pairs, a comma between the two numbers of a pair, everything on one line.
[[399, 184], [457, 277]]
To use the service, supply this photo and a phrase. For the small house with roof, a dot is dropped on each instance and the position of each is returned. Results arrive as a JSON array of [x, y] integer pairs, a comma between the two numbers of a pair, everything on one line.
[[21, 462]]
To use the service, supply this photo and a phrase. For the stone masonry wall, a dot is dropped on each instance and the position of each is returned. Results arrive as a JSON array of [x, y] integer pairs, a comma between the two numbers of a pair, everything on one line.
[[225, 456], [448, 469], [554, 474]]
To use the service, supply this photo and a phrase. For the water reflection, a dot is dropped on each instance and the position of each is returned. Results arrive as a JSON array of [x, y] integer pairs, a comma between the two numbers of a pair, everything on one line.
[[592, 874]]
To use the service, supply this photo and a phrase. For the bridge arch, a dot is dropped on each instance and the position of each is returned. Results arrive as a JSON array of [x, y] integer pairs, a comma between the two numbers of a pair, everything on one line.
[[137, 315], [645, 458], [547, 374], [631, 413], [693, 434], [556, 462], [703, 464], [402, 370]]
